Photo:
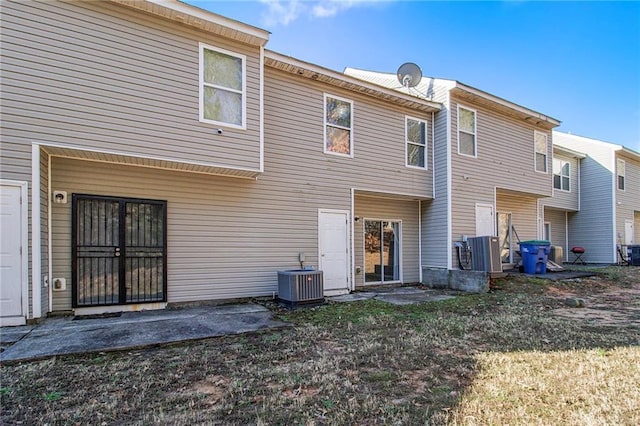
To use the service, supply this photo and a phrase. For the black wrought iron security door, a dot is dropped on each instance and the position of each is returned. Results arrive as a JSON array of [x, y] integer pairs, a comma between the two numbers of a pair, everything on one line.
[[119, 251]]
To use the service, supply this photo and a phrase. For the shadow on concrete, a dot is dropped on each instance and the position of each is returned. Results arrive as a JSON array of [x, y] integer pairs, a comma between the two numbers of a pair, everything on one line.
[[131, 330]]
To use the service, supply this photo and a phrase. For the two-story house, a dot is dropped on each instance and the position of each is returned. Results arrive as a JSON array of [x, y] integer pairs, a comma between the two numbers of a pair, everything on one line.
[[155, 153], [596, 184], [493, 163]]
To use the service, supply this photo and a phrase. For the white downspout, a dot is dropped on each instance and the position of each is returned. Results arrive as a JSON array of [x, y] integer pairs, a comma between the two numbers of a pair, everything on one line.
[[49, 232], [36, 252]]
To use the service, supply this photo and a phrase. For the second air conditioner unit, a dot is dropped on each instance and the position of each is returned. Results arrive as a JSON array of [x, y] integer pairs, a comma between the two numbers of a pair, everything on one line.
[[485, 254]]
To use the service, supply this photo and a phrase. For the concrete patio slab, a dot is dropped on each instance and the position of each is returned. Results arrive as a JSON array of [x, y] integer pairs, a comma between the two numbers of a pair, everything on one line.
[[130, 330], [395, 295]]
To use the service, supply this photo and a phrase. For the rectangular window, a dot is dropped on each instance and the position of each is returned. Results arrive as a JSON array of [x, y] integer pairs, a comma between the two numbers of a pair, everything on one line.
[[222, 87], [338, 126], [416, 142], [541, 152], [466, 131], [561, 175], [620, 171]]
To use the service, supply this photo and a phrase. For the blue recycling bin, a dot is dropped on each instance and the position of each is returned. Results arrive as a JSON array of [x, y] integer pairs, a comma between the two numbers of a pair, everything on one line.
[[534, 256]]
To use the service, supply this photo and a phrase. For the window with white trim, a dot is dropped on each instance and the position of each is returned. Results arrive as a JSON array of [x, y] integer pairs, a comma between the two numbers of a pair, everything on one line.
[[338, 126], [466, 131], [416, 142], [620, 172], [222, 87], [561, 175], [541, 152]]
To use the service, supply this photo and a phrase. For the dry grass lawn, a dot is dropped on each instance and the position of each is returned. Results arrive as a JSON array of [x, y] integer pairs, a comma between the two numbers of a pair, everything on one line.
[[506, 357]]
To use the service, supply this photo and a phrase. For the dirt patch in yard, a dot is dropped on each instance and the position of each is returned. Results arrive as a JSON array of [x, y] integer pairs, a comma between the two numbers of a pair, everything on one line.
[[597, 302]]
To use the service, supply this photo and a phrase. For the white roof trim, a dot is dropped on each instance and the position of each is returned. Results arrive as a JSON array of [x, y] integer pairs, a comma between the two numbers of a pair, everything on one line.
[[200, 18], [557, 135], [338, 79], [534, 115]]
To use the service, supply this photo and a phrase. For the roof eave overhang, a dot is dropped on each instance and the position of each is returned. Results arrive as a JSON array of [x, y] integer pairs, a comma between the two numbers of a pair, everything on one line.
[[631, 153], [502, 105], [201, 19], [314, 72], [568, 152]]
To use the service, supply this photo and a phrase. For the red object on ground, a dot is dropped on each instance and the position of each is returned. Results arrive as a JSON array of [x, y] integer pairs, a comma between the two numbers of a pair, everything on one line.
[[576, 250]]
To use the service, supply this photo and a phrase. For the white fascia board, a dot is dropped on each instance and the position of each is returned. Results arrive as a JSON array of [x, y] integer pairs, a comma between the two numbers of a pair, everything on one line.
[[213, 18], [506, 103], [348, 82], [567, 152]]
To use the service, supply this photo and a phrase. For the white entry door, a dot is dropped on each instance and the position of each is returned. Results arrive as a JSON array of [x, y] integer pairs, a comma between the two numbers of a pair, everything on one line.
[[333, 248], [628, 232], [485, 222], [12, 273]]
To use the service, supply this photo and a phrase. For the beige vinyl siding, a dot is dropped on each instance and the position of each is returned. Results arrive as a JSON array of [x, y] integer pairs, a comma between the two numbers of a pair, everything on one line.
[[505, 161], [435, 213], [388, 209], [636, 226], [563, 199], [628, 201], [505, 154], [227, 237], [15, 161], [558, 220], [523, 213], [102, 76], [294, 144]]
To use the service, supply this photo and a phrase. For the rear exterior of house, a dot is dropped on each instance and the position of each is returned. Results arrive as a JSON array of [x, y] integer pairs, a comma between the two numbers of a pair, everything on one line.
[[154, 153], [609, 206], [559, 211], [493, 162]]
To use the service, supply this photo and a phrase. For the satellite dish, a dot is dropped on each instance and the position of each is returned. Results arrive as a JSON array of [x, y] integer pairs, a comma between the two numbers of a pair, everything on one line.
[[409, 74]]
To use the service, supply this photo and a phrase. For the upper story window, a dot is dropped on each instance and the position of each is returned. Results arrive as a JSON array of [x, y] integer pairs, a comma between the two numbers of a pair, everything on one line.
[[338, 126], [416, 142], [466, 131], [541, 152], [620, 171], [222, 87], [561, 175]]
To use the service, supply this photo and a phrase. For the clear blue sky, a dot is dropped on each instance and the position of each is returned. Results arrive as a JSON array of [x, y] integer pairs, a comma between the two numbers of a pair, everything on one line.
[[578, 62]]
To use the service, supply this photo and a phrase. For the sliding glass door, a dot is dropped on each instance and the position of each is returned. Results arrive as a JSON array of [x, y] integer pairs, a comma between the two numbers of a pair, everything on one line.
[[381, 251]]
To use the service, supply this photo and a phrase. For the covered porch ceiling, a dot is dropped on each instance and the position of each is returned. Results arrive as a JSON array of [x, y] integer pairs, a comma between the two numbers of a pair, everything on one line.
[[507, 192], [150, 162], [390, 195]]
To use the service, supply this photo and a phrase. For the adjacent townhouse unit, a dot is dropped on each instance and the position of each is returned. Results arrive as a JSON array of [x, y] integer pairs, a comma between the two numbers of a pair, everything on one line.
[[155, 153], [557, 212], [493, 163], [597, 186]]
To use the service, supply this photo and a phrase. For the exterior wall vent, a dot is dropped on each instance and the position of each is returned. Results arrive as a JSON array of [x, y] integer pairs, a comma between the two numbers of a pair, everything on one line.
[[485, 254], [300, 286]]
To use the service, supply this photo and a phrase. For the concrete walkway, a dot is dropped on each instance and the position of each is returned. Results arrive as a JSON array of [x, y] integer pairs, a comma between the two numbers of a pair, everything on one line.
[[131, 330], [396, 295]]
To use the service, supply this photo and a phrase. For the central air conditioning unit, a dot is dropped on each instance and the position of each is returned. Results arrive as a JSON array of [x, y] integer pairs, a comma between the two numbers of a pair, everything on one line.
[[485, 254], [300, 287], [556, 254]]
